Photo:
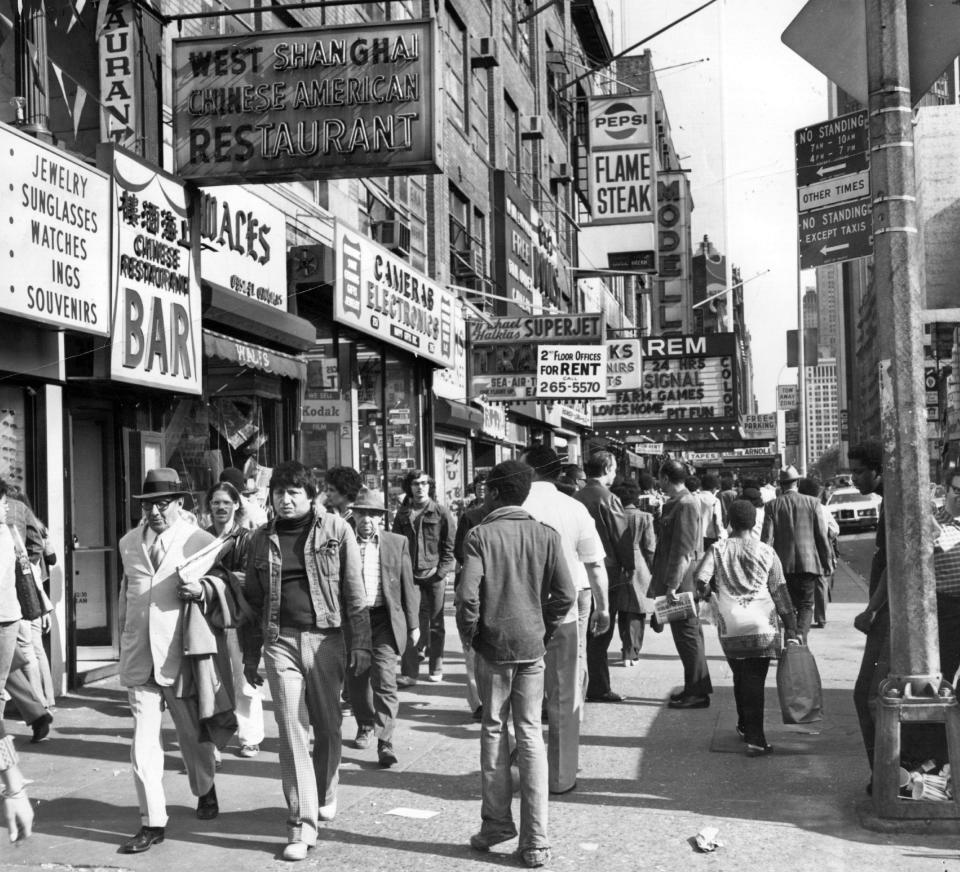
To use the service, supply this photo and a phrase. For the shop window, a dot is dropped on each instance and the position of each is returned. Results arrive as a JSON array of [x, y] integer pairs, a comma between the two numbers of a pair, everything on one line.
[[451, 467], [13, 438], [325, 412], [455, 72]]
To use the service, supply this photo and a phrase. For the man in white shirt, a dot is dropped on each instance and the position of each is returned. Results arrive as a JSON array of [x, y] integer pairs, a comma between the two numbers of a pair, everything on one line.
[[566, 659]]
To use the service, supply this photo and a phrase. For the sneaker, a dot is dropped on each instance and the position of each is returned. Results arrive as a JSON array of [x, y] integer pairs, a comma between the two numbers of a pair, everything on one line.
[[484, 841], [296, 851], [435, 677], [405, 681], [533, 858], [364, 738], [328, 812], [249, 750]]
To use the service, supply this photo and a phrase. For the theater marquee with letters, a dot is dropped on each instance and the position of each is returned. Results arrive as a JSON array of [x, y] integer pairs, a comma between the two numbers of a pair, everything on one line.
[[357, 100], [684, 379]]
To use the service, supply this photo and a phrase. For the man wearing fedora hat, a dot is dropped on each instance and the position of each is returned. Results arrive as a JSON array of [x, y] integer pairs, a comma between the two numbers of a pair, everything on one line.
[[394, 623], [151, 652], [794, 526]]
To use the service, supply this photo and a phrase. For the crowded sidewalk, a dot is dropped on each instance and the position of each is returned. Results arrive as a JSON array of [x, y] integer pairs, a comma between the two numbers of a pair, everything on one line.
[[650, 779]]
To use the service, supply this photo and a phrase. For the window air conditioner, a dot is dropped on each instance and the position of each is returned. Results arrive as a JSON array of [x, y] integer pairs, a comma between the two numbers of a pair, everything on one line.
[[533, 127], [562, 172], [486, 55], [394, 235]]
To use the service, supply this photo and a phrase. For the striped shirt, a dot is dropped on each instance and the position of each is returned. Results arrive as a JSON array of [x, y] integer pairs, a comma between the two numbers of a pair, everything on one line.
[[370, 560], [946, 554]]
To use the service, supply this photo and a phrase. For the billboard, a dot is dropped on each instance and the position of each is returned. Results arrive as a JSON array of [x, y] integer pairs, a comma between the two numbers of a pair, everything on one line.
[[762, 426], [56, 222], [622, 186], [623, 121], [571, 372], [689, 379], [379, 293], [347, 101], [156, 280]]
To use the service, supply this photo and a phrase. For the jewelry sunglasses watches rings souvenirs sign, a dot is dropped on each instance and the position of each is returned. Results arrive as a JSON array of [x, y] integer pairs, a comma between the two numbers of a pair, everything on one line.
[[55, 214]]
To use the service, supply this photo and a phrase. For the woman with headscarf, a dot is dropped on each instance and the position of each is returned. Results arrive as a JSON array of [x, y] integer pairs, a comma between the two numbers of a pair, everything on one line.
[[747, 578], [225, 507]]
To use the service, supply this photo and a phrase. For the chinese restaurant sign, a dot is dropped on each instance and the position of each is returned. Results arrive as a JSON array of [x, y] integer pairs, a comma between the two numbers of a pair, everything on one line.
[[378, 293], [685, 378], [156, 327], [55, 214], [336, 102]]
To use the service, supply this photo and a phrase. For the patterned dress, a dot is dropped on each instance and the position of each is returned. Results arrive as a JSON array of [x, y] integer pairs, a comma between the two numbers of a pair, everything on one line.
[[747, 579]]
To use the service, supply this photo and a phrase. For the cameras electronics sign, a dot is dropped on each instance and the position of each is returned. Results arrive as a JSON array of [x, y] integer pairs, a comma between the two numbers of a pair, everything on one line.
[[347, 101], [833, 190], [571, 372], [56, 224], [379, 294], [622, 121], [504, 353], [156, 277], [243, 242], [759, 426], [688, 379]]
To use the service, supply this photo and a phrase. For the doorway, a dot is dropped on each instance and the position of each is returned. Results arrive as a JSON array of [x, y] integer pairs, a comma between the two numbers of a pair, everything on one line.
[[92, 543]]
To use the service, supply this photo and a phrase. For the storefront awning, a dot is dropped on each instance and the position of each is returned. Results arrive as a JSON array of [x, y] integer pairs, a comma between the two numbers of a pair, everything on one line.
[[240, 353], [460, 416], [228, 309]]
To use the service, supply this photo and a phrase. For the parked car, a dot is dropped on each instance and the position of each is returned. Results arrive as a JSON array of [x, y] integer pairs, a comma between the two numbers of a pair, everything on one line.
[[853, 510]]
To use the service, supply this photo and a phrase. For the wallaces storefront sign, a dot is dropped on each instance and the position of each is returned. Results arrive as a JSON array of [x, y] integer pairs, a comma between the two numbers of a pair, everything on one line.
[[379, 294], [55, 215], [351, 101], [156, 327]]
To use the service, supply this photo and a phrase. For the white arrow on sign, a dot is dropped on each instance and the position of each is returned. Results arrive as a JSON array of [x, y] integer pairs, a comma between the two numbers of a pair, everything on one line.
[[823, 171], [828, 249]]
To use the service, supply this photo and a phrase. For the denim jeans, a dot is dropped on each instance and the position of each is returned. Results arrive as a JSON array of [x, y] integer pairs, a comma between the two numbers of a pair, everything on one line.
[[517, 689]]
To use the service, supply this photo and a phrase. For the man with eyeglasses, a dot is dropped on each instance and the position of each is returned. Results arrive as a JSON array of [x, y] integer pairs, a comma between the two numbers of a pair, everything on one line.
[[152, 652], [431, 530]]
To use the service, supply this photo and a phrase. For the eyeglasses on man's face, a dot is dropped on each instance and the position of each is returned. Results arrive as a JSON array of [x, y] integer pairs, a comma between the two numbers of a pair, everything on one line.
[[159, 505], [421, 482]]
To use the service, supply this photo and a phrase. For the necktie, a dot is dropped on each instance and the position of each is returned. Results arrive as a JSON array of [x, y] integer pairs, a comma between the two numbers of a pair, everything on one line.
[[156, 553]]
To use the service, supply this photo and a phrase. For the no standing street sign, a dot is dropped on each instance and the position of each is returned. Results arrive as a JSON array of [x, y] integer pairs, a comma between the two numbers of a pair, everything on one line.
[[833, 190]]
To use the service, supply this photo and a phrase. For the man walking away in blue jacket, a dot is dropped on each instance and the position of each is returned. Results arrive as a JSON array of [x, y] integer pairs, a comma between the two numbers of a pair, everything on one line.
[[514, 592]]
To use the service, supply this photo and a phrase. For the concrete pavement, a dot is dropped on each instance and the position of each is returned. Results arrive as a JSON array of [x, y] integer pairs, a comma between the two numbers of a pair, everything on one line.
[[650, 779]]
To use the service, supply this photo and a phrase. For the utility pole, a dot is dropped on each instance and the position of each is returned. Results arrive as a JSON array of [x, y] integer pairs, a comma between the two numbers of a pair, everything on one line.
[[913, 689]]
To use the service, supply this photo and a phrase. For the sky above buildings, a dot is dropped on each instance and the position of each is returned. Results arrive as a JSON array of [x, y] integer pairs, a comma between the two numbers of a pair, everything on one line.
[[735, 95]]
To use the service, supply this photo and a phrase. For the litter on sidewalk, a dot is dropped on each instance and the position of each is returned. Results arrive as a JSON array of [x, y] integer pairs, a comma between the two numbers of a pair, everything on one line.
[[420, 814]]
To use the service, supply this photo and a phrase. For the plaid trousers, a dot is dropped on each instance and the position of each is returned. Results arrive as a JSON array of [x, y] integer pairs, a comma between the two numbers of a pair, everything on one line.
[[305, 670]]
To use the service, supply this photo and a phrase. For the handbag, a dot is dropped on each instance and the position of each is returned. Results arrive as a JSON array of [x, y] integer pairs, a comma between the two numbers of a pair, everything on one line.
[[27, 593], [798, 686]]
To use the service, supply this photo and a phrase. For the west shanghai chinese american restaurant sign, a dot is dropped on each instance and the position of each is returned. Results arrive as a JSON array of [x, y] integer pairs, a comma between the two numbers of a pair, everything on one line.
[[686, 378], [359, 100]]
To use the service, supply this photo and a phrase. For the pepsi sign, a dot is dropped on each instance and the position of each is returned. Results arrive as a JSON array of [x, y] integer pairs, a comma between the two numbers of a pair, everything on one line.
[[621, 121]]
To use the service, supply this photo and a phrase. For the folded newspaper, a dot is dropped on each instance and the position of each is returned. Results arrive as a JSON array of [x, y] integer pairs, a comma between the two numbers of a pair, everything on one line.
[[683, 608], [199, 564]]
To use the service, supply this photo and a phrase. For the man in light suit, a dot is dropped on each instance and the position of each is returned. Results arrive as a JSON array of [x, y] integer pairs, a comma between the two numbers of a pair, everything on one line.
[[151, 652], [393, 603], [794, 526]]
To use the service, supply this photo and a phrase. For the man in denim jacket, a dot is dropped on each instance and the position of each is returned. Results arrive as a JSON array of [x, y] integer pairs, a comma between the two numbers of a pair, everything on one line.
[[301, 567], [431, 530], [514, 591]]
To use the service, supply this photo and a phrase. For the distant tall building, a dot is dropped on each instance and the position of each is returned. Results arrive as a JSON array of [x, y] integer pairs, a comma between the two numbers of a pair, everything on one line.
[[821, 398], [829, 292]]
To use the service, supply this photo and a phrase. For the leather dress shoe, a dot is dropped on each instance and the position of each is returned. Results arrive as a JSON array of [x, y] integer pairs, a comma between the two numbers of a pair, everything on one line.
[[145, 839], [690, 702], [207, 806], [680, 694], [386, 755], [609, 696], [41, 727]]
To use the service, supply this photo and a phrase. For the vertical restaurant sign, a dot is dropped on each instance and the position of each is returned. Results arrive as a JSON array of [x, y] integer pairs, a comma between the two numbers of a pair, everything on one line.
[[346, 101], [243, 241], [55, 214], [685, 379], [118, 85], [622, 186], [623, 121], [378, 293], [156, 327]]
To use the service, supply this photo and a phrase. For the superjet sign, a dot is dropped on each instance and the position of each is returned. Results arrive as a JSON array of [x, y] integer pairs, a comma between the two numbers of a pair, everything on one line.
[[351, 101]]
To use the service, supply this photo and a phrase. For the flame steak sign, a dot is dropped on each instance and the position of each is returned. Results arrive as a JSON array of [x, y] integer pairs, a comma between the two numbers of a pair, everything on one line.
[[684, 378], [356, 100]]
